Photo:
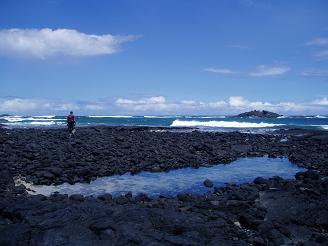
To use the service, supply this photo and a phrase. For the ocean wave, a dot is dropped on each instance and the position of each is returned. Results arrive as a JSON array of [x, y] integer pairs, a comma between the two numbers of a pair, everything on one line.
[[34, 123], [43, 123], [46, 119], [207, 117], [316, 117], [13, 118], [228, 124], [321, 126], [44, 116], [33, 118], [162, 116], [111, 116]]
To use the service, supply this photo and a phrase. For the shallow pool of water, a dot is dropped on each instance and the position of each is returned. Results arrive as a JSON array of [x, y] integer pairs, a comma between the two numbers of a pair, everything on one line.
[[181, 180]]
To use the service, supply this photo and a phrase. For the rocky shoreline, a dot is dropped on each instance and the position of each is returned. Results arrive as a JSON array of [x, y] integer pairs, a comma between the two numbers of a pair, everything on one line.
[[266, 212]]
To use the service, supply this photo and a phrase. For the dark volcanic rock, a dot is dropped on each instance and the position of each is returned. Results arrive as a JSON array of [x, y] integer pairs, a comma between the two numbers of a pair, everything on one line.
[[266, 212], [258, 114], [77, 197], [105, 151], [208, 183]]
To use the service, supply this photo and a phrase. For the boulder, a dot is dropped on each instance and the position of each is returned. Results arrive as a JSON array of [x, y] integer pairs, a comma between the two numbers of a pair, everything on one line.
[[77, 197], [208, 183]]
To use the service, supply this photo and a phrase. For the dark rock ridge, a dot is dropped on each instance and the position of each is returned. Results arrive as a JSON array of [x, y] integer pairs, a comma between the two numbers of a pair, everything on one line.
[[46, 156], [258, 114], [266, 212]]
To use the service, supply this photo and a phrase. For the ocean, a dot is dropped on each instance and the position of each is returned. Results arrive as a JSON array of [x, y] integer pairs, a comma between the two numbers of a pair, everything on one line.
[[204, 123]]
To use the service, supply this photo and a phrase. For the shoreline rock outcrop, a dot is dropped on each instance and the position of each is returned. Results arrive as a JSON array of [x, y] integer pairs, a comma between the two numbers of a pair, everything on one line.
[[258, 114]]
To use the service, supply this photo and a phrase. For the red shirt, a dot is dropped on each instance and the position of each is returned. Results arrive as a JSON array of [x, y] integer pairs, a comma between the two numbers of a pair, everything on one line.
[[70, 118]]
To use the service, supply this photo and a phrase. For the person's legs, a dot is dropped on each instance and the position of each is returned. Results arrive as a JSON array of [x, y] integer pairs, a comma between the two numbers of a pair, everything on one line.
[[73, 128], [70, 128]]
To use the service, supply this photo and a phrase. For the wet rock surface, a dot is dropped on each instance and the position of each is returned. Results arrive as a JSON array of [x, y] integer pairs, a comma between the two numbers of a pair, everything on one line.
[[266, 212]]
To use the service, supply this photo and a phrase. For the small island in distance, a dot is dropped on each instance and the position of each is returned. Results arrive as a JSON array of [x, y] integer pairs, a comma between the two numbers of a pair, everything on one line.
[[258, 114]]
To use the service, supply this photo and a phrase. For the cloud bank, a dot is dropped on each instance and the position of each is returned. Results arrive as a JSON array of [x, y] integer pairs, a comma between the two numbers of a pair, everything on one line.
[[158, 105], [43, 43]]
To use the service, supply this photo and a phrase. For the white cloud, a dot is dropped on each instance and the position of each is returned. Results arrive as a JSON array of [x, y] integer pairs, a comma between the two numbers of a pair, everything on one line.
[[323, 44], [260, 71], [233, 104], [43, 43], [26, 105], [219, 70], [315, 73], [318, 42], [263, 70], [189, 102], [64, 106], [237, 101], [321, 102], [144, 104], [158, 105], [18, 104], [94, 107], [217, 104]]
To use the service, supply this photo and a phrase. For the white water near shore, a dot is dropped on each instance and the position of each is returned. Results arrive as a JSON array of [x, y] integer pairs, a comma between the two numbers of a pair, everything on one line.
[[202, 122], [110, 116], [229, 124]]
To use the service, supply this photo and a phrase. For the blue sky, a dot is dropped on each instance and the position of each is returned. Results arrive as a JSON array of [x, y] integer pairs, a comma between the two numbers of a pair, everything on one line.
[[163, 57]]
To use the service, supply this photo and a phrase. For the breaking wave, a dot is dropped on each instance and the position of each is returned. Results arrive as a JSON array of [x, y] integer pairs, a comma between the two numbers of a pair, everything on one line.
[[27, 118], [228, 124], [110, 116], [44, 116], [34, 123]]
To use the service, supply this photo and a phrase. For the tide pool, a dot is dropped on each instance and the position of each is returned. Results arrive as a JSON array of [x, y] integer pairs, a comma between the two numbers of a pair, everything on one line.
[[173, 182]]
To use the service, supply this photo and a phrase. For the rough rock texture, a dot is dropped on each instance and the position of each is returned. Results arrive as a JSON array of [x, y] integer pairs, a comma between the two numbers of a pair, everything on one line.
[[46, 156], [267, 212], [258, 114]]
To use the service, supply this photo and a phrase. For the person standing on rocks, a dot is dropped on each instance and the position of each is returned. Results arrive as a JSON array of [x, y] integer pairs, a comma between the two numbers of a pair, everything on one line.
[[71, 123]]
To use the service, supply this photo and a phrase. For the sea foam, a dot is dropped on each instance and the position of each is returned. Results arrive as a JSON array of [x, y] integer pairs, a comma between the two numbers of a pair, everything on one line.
[[110, 116], [228, 124], [44, 116]]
